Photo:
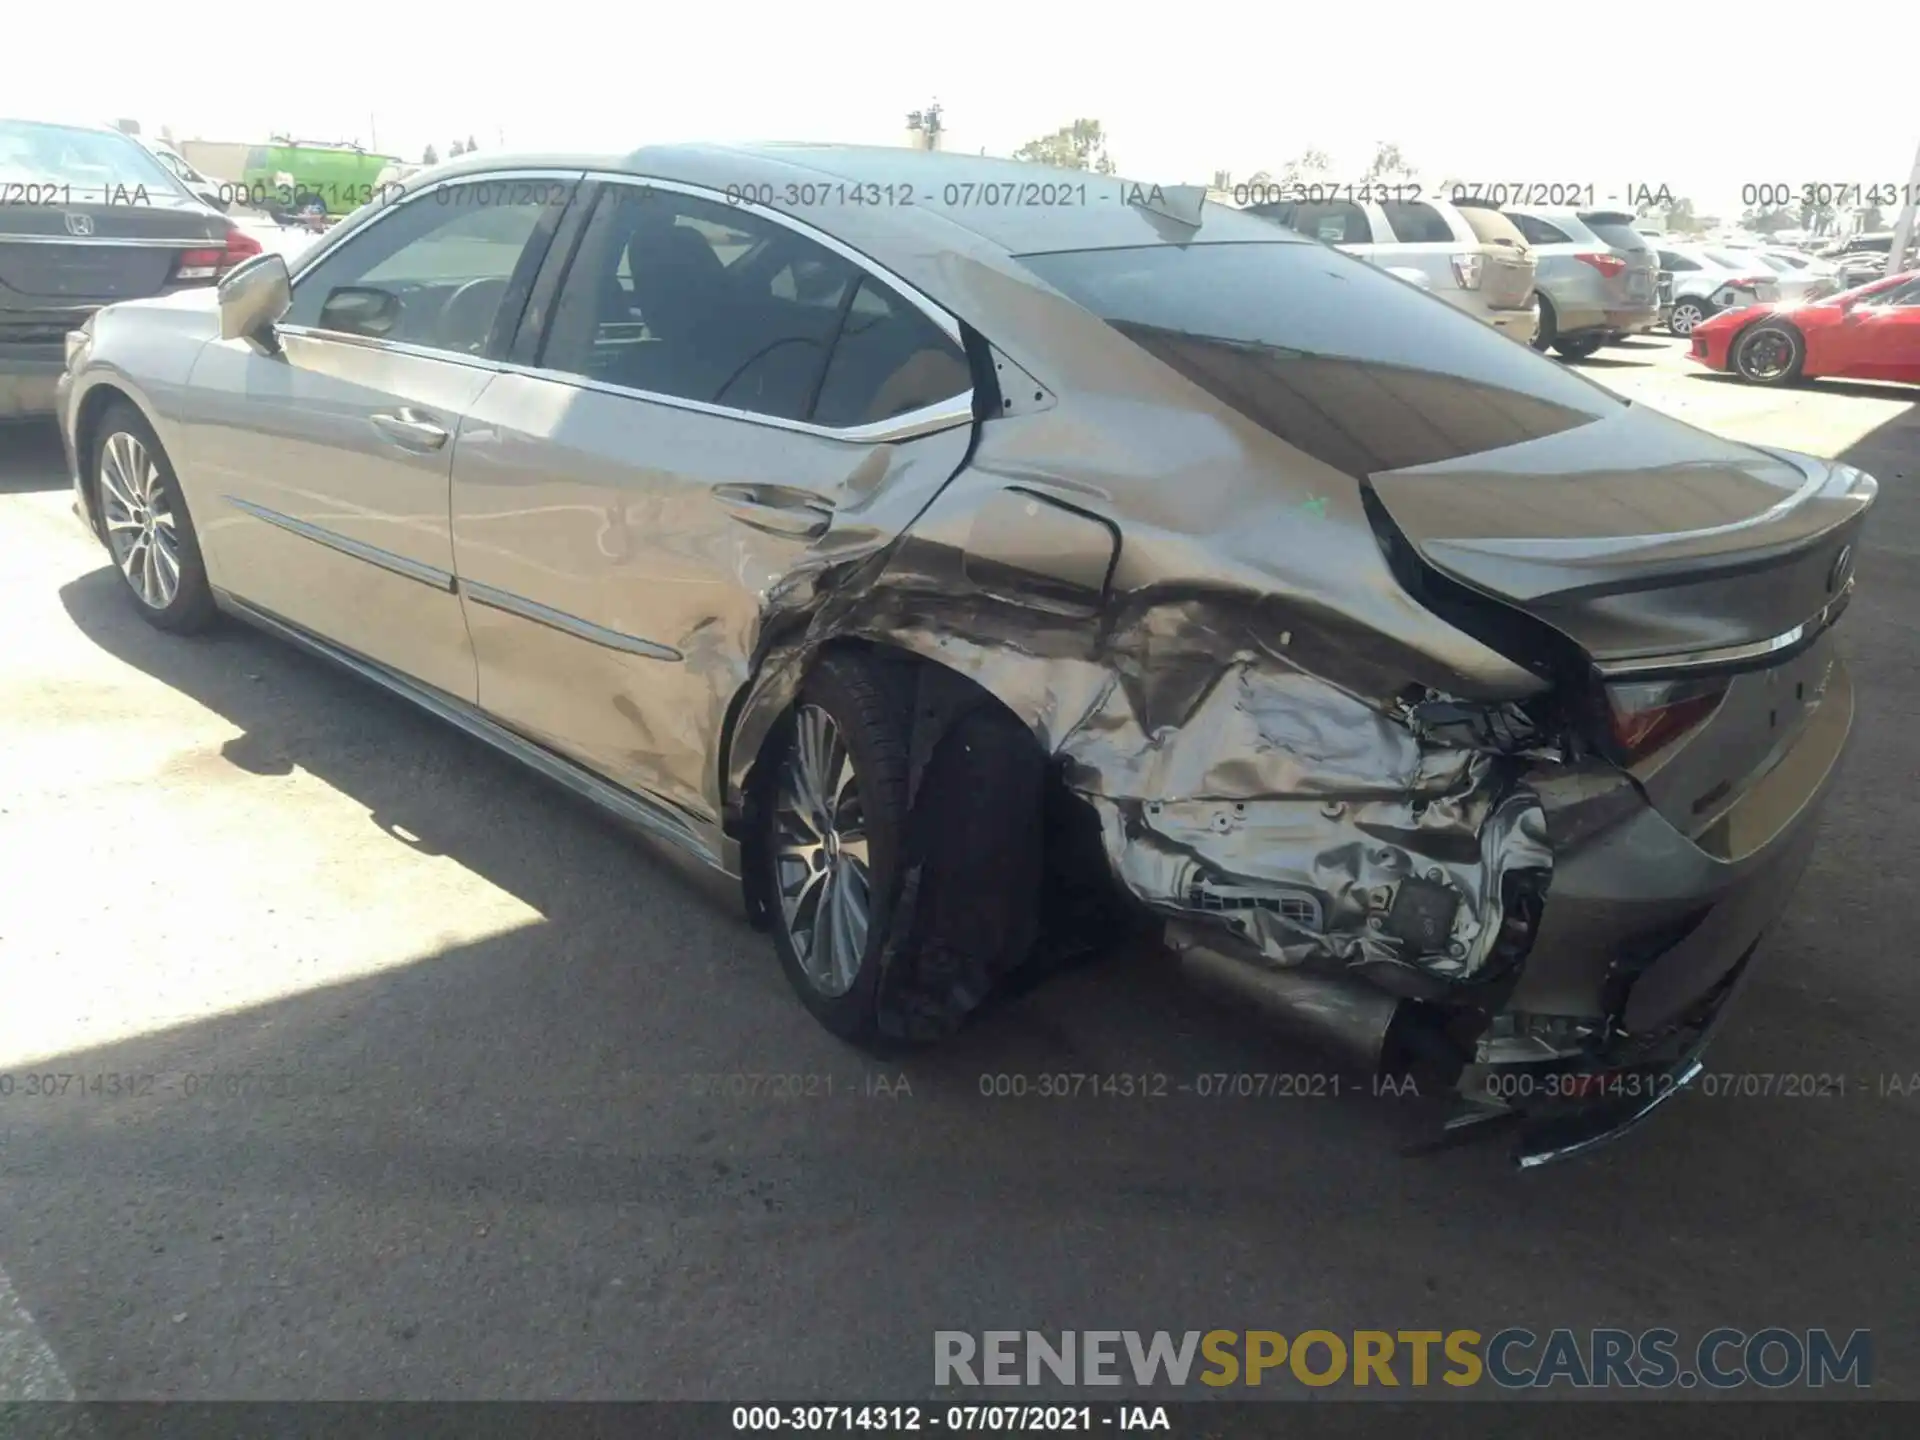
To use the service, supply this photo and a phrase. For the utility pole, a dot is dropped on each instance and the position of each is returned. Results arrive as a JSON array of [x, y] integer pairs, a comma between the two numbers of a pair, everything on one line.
[[1903, 231]]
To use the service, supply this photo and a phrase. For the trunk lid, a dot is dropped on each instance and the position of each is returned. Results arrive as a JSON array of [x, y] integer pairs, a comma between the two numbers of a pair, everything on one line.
[[81, 256], [1645, 542]]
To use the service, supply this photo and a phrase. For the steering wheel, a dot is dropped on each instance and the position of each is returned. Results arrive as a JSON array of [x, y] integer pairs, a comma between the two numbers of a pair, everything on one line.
[[469, 309]]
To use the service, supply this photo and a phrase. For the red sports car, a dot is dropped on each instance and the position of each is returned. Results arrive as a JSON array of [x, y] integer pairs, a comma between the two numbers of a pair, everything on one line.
[[1871, 332]]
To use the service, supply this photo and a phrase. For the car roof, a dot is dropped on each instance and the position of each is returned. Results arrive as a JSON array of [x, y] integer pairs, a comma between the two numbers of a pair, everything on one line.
[[1014, 206]]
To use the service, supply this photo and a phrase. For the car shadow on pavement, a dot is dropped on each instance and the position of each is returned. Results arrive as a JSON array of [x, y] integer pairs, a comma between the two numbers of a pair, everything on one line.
[[31, 457], [607, 1154], [1859, 389]]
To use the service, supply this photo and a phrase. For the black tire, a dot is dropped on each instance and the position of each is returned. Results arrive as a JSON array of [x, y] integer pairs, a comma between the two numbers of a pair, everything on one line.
[[1578, 349], [1549, 324], [1701, 310], [955, 857], [191, 607], [1761, 342]]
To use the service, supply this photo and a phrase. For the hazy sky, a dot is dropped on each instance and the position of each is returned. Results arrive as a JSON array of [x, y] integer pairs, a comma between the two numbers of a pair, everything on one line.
[[1238, 88]]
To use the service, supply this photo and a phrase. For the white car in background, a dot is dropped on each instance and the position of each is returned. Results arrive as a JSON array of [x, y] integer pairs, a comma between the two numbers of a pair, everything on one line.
[[1472, 256], [1802, 278], [1707, 281]]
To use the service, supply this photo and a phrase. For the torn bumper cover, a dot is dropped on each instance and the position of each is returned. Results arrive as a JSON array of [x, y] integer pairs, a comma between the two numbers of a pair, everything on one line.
[[1316, 831]]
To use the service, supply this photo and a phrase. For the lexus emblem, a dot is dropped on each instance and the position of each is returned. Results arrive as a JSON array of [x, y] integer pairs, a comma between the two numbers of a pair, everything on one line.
[[79, 224], [1839, 572]]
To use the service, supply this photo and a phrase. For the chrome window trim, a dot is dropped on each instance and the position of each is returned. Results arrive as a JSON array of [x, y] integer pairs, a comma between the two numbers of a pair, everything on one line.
[[1730, 655], [139, 242], [315, 255], [358, 549], [511, 604], [390, 347], [928, 420]]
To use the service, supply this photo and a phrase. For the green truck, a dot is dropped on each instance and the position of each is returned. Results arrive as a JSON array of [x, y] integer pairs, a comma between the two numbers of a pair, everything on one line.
[[303, 180]]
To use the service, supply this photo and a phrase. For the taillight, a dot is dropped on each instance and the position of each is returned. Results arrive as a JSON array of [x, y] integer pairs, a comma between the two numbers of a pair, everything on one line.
[[1646, 717], [1607, 265], [1750, 282], [199, 264], [1467, 270], [240, 246]]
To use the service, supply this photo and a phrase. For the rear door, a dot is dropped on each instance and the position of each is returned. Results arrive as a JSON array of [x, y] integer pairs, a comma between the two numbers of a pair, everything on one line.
[[320, 475], [87, 218], [720, 402]]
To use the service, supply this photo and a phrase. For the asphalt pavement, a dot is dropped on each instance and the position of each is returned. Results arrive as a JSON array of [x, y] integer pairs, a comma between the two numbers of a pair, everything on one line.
[[392, 1072]]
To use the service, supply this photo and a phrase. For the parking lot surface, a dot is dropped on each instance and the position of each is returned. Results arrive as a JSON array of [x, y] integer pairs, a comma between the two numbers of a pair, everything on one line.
[[392, 1072]]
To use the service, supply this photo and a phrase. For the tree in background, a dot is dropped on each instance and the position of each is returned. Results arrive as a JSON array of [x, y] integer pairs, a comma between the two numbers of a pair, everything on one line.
[[1766, 222], [454, 149], [471, 147], [1079, 146], [432, 157], [1679, 216], [1817, 219], [1389, 166]]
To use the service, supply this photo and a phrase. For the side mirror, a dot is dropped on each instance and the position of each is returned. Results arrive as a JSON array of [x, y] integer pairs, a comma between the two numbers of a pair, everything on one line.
[[360, 310], [253, 297]]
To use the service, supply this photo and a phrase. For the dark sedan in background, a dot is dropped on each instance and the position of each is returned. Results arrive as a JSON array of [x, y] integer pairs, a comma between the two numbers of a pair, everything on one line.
[[88, 217]]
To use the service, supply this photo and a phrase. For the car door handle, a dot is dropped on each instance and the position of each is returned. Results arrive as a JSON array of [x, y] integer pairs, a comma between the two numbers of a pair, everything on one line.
[[410, 428], [777, 510]]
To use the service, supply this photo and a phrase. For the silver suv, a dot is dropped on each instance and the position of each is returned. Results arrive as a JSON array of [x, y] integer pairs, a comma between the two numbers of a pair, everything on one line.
[[1472, 256], [1598, 279]]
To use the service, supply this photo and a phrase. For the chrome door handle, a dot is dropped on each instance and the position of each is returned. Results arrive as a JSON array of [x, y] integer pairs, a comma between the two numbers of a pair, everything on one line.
[[777, 510], [410, 428]]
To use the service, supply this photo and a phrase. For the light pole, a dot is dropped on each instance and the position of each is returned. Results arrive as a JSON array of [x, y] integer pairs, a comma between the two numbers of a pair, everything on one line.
[[1903, 230]]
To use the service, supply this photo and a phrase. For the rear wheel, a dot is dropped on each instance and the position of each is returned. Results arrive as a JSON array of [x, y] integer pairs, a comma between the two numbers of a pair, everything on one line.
[[894, 920], [1578, 349], [1687, 313], [149, 532], [1548, 327], [1770, 354]]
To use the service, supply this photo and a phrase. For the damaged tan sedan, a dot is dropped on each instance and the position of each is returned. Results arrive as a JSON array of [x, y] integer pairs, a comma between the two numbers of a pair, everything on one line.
[[953, 558]]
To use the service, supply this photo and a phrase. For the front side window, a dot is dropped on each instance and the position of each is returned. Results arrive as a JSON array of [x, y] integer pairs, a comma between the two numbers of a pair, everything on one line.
[[1335, 357], [433, 272], [681, 296]]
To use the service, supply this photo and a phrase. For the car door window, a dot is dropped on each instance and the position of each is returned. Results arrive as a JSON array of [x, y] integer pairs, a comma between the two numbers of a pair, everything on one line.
[[1671, 261], [693, 298], [1416, 223], [676, 295], [432, 273], [1539, 232], [1338, 222], [889, 359]]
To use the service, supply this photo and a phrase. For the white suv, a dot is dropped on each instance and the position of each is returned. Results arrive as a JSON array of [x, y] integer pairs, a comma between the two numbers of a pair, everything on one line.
[[1473, 257]]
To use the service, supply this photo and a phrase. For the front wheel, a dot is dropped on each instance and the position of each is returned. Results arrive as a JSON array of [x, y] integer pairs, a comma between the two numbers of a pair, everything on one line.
[[1770, 354], [1577, 349], [149, 532], [1687, 314], [1547, 328]]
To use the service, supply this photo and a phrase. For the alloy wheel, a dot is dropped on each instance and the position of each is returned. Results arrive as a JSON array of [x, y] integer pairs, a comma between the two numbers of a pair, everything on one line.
[[1766, 355], [1686, 315], [822, 866], [141, 530]]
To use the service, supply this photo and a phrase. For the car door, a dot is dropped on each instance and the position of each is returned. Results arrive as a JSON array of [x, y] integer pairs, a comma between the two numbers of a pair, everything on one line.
[[323, 470], [1881, 336], [715, 408]]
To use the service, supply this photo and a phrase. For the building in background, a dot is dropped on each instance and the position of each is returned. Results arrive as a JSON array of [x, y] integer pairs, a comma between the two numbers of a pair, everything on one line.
[[925, 130]]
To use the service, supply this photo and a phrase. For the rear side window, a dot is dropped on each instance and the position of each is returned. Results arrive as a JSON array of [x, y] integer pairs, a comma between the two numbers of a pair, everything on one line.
[[1490, 227], [1617, 231], [1416, 223], [1335, 357], [1671, 261], [1539, 232], [890, 359], [1338, 222]]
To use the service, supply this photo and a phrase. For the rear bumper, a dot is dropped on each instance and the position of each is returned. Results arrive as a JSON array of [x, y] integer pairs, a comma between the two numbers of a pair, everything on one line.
[[29, 379], [1640, 921], [1624, 320]]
